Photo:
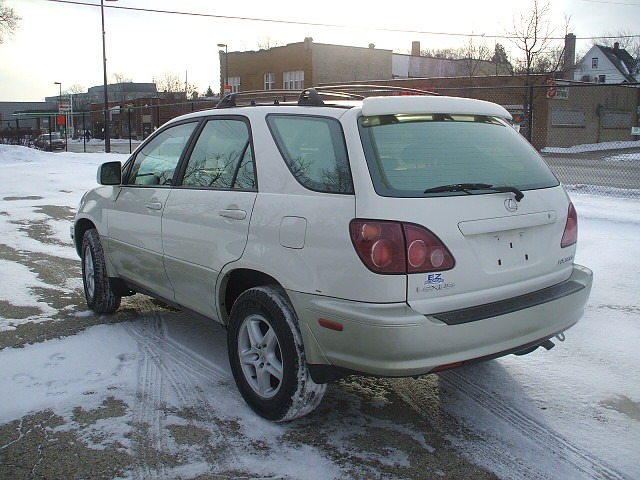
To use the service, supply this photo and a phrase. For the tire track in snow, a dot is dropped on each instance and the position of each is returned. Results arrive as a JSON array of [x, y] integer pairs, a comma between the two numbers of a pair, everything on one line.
[[166, 365], [559, 447], [148, 414]]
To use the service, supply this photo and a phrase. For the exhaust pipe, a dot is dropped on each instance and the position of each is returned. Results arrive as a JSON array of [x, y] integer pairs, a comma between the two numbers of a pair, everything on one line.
[[548, 344]]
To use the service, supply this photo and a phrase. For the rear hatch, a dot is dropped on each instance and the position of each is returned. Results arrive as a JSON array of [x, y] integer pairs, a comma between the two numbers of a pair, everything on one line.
[[461, 171]]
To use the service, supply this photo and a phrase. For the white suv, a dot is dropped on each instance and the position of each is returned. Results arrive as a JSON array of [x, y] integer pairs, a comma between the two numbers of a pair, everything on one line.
[[390, 235]]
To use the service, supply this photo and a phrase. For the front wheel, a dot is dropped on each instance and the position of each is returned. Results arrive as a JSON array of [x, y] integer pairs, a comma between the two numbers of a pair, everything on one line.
[[267, 356], [97, 289]]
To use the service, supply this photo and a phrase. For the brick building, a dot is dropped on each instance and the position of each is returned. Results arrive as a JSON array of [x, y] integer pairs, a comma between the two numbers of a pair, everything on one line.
[[301, 65]]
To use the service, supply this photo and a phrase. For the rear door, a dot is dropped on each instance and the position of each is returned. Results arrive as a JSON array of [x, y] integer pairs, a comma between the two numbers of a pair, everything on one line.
[[134, 217], [206, 219]]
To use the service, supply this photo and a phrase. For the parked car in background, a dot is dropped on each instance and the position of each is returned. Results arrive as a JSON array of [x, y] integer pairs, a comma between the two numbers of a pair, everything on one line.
[[50, 142], [335, 235]]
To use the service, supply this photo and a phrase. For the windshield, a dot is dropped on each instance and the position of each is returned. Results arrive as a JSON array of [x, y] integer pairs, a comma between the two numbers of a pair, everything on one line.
[[418, 155]]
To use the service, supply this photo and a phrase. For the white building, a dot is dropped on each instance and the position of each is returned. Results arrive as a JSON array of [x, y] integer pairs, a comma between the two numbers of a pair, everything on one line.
[[607, 65]]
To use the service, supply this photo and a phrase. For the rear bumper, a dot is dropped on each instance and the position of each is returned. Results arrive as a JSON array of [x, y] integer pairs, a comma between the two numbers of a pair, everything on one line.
[[395, 340]]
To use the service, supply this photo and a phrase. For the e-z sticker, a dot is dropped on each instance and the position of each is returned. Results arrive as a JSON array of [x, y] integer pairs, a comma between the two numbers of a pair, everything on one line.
[[434, 283]]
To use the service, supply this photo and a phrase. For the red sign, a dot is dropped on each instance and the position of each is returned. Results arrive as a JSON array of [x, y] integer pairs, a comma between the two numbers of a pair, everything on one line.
[[62, 120]]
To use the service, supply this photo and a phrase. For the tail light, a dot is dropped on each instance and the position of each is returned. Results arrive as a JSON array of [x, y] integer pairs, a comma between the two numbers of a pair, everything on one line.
[[570, 235], [399, 248]]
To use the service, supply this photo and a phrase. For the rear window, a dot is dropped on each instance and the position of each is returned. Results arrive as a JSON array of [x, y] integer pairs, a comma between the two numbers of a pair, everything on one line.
[[408, 154]]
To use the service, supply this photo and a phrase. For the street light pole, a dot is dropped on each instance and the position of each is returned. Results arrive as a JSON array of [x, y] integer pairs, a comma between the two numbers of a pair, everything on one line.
[[107, 140], [226, 65], [60, 113]]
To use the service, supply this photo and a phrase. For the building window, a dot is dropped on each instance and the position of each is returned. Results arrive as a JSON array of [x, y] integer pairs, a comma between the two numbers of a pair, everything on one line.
[[602, 78], [234, 82], [594, 62], [294, 80], [269, 81]]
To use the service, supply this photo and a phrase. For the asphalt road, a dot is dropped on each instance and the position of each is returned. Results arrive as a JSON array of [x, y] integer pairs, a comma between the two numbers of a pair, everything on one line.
[[609, 168]]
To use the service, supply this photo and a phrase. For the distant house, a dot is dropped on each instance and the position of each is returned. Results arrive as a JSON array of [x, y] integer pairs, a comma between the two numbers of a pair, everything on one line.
[[607, 65]]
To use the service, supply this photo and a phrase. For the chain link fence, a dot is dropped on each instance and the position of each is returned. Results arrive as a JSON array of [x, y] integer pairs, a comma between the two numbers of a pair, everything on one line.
[[587, 133]]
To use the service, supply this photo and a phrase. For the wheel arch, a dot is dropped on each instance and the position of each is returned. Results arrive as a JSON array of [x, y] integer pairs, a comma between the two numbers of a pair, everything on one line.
[[79, 229], [237, 281]]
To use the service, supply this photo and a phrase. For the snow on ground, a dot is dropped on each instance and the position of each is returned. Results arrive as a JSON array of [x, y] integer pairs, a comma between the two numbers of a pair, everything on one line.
[[593, 147], [582, 398]]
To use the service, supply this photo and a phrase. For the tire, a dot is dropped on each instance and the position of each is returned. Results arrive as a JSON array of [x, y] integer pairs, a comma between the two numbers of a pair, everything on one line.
[[267, 356], [97, 289]]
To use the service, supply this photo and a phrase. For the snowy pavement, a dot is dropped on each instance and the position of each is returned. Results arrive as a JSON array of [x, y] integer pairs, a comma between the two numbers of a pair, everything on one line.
[[152, 387]]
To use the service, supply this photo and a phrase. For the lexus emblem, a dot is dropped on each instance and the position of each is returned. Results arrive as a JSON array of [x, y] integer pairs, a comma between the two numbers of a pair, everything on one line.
[[511, 205]]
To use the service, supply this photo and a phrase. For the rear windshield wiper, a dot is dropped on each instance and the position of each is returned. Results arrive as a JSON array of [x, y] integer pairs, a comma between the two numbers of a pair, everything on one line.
[[468, 187]]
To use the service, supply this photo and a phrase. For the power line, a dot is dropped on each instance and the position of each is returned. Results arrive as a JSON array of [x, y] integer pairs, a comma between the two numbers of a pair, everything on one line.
[[614, 3], [327, 25]]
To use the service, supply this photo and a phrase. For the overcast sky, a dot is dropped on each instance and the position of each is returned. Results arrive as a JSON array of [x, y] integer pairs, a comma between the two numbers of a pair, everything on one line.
[[61, 42]]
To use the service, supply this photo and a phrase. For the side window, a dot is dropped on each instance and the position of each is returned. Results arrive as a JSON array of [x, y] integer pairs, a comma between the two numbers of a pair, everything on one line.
[[314, 150], [222, 157], [156, 163]]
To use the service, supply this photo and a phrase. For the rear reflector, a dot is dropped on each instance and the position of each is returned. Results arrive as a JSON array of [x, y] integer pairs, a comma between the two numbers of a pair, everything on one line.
[[448, 366], [330, 324]]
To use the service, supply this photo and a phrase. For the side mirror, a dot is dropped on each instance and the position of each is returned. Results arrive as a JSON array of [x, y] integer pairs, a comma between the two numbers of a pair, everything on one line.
[[110, 173]]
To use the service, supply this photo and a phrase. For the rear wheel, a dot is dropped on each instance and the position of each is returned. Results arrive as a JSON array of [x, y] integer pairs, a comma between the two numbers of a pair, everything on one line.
[[97, 289], [267, 356]]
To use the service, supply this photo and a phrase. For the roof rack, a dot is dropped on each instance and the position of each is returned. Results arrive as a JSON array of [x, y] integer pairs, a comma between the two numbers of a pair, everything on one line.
[[314, 96]]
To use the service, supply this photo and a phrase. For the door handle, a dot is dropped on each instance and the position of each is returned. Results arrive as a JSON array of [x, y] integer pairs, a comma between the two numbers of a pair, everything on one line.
[[235, 214], [153, 205]]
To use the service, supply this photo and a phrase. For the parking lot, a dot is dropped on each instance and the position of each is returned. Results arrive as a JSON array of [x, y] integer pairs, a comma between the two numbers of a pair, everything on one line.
[[147, 392], [96, 146], [616, 168]]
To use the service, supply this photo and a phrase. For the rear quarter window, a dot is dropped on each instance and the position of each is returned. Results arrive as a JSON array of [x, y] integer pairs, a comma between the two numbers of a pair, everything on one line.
[[314, 150], [408, 154]]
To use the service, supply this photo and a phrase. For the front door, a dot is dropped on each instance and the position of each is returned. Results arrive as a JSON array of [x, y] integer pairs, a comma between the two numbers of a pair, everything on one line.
[[134, 219]]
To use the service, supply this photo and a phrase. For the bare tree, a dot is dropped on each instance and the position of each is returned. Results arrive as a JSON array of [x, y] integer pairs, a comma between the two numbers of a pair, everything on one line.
[[169, 84], [531, 33], [121, 78], [8, 21], [75, 89], [447, 53], [473, 55], [473, 58], [266, 43], [172, 85], [79, 103]]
